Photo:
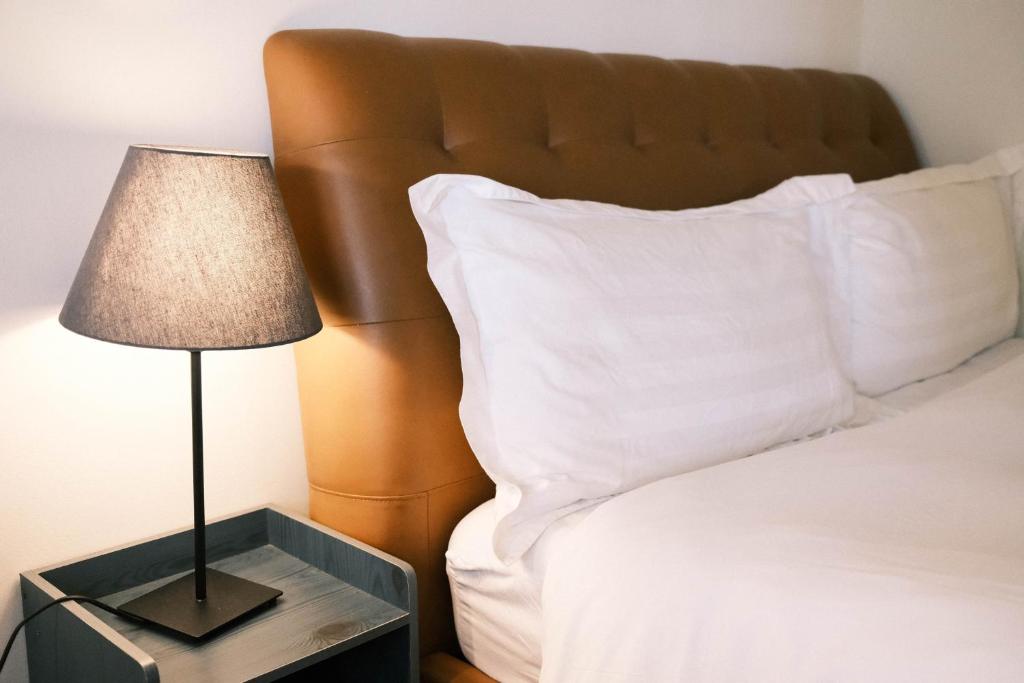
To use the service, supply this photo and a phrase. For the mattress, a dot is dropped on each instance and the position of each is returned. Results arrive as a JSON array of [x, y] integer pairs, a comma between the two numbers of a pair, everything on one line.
[[498, 607]]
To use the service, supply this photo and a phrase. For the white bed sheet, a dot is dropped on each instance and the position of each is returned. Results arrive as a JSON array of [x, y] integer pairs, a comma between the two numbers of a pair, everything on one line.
[[893, 552], [498, 607], [917, 393]]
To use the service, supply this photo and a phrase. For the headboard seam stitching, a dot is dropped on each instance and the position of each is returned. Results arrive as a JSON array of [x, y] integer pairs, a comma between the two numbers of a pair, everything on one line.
[[355, 139], [384, 499], [392, 320]]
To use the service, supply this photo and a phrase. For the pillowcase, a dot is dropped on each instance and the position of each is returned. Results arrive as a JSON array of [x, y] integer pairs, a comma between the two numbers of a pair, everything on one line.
[[605, 347], [928, 270]]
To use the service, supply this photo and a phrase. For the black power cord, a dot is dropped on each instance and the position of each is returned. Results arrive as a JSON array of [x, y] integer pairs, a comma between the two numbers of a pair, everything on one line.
[[66, 598]]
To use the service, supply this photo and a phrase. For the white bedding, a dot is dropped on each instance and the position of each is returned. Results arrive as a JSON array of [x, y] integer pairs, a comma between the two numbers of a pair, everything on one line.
[[918, 393], [894, 552], [497, 606], [604, 347]]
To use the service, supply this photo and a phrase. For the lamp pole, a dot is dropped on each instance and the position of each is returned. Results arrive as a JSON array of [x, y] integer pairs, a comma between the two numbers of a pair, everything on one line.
[[199, 531]]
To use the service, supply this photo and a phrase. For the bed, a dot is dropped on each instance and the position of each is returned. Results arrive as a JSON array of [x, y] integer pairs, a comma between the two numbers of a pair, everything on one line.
[[359, 117], [498, 607]]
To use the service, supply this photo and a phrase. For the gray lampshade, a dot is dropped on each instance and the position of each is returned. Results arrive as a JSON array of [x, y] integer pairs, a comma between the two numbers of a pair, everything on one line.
[[193, 251]]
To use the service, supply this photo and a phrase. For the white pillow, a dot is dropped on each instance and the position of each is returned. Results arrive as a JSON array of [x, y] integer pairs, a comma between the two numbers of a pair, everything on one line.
[[929, 270], [605, 347]]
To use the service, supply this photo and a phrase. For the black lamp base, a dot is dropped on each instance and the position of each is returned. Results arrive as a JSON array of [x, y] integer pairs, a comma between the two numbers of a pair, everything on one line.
[[174, 606]]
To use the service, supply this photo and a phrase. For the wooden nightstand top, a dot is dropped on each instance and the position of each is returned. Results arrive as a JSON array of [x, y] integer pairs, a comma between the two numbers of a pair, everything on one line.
[[338, 594]]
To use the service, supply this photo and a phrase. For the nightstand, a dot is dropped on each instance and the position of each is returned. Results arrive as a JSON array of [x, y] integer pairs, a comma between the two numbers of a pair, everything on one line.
[[347, 613]]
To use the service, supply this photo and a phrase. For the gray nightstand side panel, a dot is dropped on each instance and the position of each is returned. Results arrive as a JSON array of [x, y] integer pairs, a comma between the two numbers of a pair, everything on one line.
[[366, 568], [374, 571], [63, 646]]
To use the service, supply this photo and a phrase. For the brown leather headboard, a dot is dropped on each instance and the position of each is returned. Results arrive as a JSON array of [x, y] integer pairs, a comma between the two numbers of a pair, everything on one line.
[[358, 117]]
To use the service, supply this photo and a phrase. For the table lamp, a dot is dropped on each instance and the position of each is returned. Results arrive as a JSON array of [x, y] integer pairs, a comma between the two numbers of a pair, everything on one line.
[[194, 251]]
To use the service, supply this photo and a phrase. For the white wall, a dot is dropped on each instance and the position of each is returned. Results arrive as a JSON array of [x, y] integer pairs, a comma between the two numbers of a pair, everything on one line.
[[955, 68]]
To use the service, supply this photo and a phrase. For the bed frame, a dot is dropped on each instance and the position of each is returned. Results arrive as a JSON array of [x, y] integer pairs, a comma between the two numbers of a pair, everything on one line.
[[358, 117]]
